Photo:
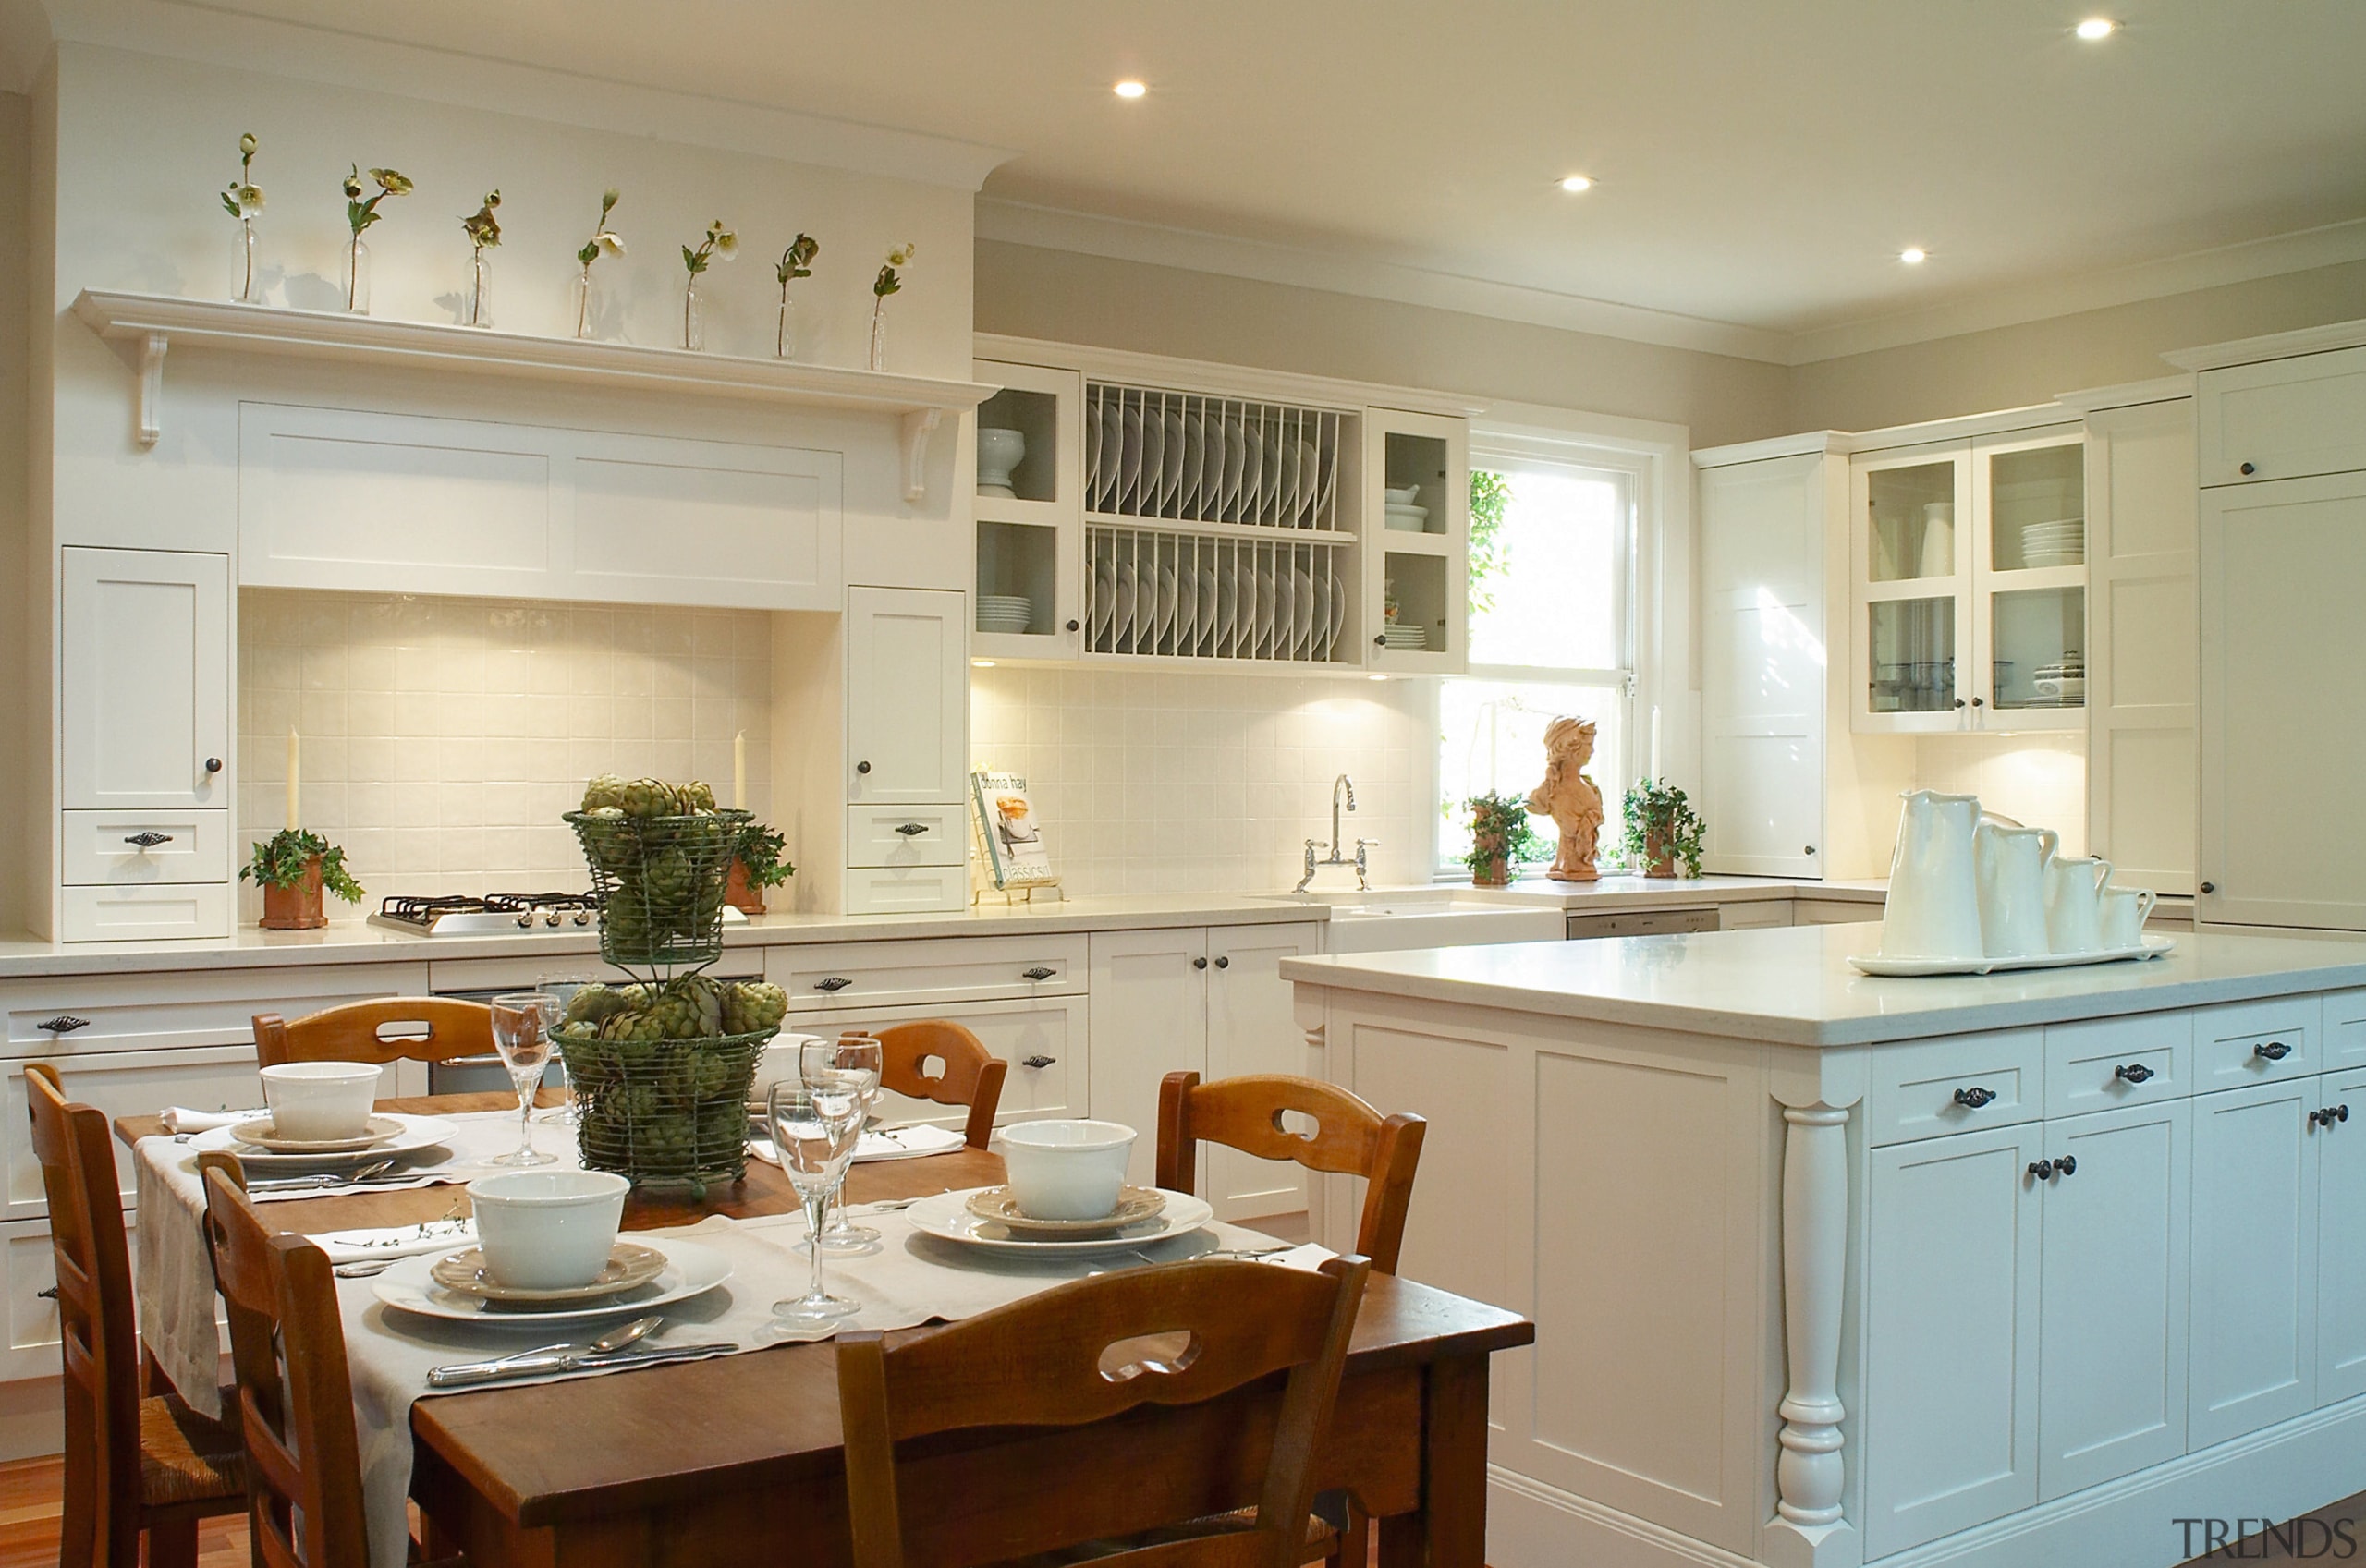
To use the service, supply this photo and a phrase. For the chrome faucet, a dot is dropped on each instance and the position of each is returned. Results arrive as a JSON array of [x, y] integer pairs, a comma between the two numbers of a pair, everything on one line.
[[1343, 792]]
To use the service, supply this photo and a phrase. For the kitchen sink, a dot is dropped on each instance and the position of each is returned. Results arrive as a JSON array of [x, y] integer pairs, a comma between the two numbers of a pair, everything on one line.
[[1398, 920]]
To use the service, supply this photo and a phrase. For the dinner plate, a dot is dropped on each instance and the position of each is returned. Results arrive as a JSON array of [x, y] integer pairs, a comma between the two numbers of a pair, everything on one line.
[[1338, 614], [418, 1132], [1286, 483], [1171, 486], [628, 1264], [1321, 644], [1104, 602], [1252, 472], [1111, 455], [1309, 482], [1129, 461], [1163, 621], [1236, 462], [1285, 612], [947, 1216], [1195, 462], [691, 1269], [1228, 607], [1207, 622], [1154, 470], [262, 1134], [1000, 1205], [1302, 608], [1092, 455], [1263, 624], [1123, 633], [1187, 610]]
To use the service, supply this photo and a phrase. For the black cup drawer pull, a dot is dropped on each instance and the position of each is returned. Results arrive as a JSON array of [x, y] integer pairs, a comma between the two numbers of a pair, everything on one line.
[[149, 839], [2134, 1072], [1038, 972], [1037, 1061], [1973, 1099], [64, 1023], [2274, 1050], [832, 983]]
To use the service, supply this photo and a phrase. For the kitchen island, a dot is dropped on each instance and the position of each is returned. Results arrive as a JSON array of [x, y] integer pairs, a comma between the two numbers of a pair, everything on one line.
[[1828, 1269]]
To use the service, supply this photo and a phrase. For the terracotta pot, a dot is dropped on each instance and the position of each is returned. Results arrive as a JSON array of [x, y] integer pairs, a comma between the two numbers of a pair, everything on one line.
[[739, 893], [294, 908], [1659, 860], [1492, 873]]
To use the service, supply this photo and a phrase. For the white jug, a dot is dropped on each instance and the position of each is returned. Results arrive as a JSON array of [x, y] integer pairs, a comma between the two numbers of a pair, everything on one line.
[[1934, 908], [2012, 861], [2074, 903], [2125, 910]]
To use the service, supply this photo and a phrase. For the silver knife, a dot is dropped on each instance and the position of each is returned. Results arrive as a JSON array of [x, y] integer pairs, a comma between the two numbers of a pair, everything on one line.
[[462, 1374], [328, 1184]]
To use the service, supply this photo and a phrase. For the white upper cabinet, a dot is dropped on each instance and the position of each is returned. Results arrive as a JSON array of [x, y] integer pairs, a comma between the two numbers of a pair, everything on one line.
[[1029, 512], [2284, 419], [1417, 517], [908, 697], [145, 651], [1912, 639]]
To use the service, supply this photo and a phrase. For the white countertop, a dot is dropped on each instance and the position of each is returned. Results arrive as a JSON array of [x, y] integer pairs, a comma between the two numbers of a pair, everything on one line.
[[1793, 986]]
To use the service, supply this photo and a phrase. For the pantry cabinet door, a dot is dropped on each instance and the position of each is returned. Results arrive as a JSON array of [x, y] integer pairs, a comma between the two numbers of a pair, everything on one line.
[[145, 662], [2340, 1139], [1250, 1030], [2112, 1395], [908, 704], [2255, 1313], [1148, 1017], [1950, 1423]]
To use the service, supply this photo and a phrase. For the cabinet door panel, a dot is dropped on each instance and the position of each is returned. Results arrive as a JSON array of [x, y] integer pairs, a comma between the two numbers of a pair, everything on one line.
[[1042, 1041], [1250, 1030], [2341, 1238], [2112, 1394], [145, 670], [2254, 1259], [906, 702], [1950, 1429], [125, 1083], [1148, 1012]]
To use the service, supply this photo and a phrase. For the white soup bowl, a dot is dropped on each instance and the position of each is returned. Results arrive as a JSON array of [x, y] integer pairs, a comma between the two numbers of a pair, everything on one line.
[[1067, 1170], [316, 1101], [547, 1230]]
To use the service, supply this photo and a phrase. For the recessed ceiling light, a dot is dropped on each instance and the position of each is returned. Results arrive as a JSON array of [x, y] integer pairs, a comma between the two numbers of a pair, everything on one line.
[[1914, 255], [1575, 183], [1130, 89], [2096, 28], [981, 663]]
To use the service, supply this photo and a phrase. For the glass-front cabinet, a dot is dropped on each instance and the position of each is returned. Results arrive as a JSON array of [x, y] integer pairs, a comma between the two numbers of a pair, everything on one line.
[[1970, 560], [1028, 510]]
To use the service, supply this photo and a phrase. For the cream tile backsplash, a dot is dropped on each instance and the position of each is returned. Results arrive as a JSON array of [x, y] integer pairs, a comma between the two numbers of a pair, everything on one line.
[[443, 737], [1189, 783], [2039, 780]]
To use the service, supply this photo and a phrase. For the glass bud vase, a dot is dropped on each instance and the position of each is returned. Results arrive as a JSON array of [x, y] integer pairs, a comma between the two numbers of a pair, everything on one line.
[[246, 258], [479, 288], [878, 335], [693, 317], [583, 302], [785, 345], [357, 276]]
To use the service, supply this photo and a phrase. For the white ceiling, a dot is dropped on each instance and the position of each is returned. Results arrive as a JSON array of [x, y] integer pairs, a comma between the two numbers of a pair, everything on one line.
[[1758, 165]]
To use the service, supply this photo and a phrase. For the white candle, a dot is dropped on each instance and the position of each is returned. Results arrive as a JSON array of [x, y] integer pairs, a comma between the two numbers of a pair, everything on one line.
[[739, 770], [295, 820]]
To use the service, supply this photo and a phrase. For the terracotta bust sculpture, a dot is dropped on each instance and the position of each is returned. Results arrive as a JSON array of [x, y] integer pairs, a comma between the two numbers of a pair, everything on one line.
[[1570, 798]]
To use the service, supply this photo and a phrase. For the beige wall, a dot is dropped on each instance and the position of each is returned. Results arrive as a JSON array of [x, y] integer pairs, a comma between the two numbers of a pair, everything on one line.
[[16, 245], [2011, 366], [1070, 297]]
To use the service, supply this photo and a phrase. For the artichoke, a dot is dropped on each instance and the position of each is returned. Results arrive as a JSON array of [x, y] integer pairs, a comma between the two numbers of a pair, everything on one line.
[[603, 793]]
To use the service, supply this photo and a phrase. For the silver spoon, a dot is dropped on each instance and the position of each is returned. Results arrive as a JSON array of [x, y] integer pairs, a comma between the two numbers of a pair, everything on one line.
[[293, 1184], [615, 1338]]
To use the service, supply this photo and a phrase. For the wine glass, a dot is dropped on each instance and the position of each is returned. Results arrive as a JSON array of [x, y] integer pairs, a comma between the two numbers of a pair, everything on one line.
[[522, 1023], [854, 1057], [814, 1126], [563, 987]]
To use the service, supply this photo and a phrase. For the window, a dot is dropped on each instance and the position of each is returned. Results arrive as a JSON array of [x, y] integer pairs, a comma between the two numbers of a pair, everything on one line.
[[1551, 590]]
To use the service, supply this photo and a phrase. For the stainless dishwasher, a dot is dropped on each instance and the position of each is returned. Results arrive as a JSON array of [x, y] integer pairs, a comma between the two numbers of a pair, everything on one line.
[[1644, 922]]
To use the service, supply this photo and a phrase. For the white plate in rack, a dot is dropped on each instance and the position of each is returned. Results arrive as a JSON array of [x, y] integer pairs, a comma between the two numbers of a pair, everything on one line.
[[1875, 963]]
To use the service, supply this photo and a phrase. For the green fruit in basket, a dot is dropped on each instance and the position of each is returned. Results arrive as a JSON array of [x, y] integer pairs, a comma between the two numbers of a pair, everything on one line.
[[751, 1006], [592, 1003], [605, 793], [650, 797], [697, 797], [721, 1129], [713, 1074]]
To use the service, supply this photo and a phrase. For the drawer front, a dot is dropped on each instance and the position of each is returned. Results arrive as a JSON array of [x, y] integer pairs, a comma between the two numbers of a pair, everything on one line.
[[56, 1020], [2285, 418], [906, 836], [1043, 1040], [2105, 1062], [131, 1083], [27, 1266], [2345, 1032], [1755, 914], [167, 912], [1832, 912], [2249, 1043], [953, 969], [1642, 922], [137, 849], [906, 890], [1956, 1085]]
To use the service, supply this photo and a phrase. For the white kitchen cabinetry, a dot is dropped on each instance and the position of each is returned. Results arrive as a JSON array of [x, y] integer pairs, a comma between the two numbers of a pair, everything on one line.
[[1042, 1041], [1203, 1000], [906, 718], [1030, 542], [2340, 1136], [2286, 415], [2144, 670], [2254, 1259], [1421, 570]]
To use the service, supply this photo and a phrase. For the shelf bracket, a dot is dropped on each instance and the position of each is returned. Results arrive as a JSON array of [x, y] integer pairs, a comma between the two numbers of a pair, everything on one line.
[[151, 387], [919, 425]]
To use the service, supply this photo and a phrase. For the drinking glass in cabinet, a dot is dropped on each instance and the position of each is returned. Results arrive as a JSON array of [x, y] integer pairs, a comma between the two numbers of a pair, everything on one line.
[[1912, 514], [2039, 636], [1912, 657]]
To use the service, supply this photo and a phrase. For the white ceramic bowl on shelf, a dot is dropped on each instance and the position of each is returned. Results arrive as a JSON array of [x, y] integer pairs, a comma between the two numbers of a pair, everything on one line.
[[999, 451]]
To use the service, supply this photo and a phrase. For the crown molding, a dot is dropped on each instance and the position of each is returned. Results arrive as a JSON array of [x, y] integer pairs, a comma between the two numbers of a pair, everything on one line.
[[1127, 239], [2126, 394], [1807, 443], [191, 30], [1201, 376], [2274, 346]]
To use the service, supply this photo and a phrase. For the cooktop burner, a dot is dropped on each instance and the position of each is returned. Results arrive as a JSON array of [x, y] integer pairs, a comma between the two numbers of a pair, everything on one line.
[[456, 913]]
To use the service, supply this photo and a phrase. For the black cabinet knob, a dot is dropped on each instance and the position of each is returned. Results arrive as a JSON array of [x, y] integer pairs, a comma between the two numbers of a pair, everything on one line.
[[832, 983], [1038, 972], [2210, 887], [1808, 850], [1973, 1099], [2341, 1113], [2316, 1118], [1073, 626], [214, 764], [1380, 641], [2274, 1050], [1223, 963], [2134, 1072], [1958, 701], [2250, 469], [1037, 1061], [64, 1023], [149, 839], [2067, 1166], [2042, 1169], [1199, 962], [1979, 702], [862, 767]]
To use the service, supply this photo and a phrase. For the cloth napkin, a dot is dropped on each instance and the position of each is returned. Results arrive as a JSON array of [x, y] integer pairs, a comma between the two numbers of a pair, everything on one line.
[[181, 1119], [881, 1143], [395, 1241]]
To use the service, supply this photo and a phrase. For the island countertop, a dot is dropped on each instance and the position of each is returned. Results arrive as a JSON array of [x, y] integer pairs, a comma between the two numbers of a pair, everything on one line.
[[1793, 984]]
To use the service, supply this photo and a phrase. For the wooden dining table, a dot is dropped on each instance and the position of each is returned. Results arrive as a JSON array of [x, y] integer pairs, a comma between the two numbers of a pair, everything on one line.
[[737, 1459]]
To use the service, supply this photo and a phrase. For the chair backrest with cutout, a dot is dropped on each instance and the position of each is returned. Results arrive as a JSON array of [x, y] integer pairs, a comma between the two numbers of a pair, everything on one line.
[[971, 1075], [396, 1028]]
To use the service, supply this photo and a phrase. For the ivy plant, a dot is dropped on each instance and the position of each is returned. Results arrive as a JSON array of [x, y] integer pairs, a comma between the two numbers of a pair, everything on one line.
[[1657, 810], [281, 860]]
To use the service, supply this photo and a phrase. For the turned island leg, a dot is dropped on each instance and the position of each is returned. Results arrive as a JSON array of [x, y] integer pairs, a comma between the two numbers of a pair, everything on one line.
[[1816, 1256]]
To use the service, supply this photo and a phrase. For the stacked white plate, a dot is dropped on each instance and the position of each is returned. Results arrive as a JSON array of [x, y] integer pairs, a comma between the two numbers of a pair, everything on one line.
[[1006, 612], [2060, 544], [1400, 634]]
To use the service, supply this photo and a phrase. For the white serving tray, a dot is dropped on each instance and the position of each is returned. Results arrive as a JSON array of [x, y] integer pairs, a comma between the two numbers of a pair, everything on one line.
[[1875, 964]]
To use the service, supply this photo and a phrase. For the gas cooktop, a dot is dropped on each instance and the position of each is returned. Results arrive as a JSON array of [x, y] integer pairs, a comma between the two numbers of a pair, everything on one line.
[[463, 913]]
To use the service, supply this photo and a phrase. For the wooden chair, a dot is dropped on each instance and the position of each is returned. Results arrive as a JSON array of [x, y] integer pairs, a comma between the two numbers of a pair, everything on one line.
[[1042, 1362], [295, 1394], [1350, 1138], [132, 1464], [396, 1028], [972, 1074]]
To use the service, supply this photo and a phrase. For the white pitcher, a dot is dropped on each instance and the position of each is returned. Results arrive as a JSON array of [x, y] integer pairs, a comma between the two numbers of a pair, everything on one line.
[[2074, 903], [1934, 908], [2125, 911], [2011, 861]]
